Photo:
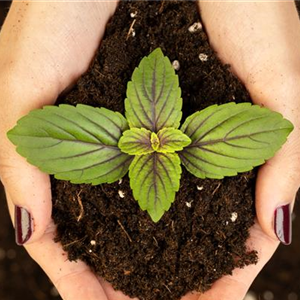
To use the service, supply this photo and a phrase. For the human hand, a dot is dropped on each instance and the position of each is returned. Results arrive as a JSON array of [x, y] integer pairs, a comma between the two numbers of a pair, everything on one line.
[[44, 48], [261, 42]]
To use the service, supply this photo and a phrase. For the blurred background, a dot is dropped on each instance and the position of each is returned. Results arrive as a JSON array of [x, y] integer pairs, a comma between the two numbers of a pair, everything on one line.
[[22, 279]]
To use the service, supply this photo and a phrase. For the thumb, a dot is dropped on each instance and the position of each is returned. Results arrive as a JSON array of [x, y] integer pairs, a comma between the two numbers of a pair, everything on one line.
[[27, 187], [277, 184], [30, 192]]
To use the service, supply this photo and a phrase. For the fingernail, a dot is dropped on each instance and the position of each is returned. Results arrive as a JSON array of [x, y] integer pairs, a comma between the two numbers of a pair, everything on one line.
[[283, 224], [23, 225]]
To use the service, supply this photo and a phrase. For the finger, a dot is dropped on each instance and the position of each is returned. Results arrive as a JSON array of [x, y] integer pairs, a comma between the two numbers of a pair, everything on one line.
[[236, 285], [191, 296], [28, 187], [73, 280], [113, 294], [277, 184], [279, 178], [117, 295]]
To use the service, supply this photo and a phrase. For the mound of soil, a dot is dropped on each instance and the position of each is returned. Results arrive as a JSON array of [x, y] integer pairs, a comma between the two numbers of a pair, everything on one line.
[[202, 237]]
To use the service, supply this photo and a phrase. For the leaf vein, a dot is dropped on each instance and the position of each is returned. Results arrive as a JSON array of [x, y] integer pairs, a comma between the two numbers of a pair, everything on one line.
[[188, 162], [207, 161], [163, 107], [82, 128], [142, 107], [102, 128], [55, 125], [217, 126]]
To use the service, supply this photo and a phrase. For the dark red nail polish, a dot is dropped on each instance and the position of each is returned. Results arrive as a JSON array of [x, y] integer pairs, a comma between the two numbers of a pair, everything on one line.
[[283, 224], [23, 225]]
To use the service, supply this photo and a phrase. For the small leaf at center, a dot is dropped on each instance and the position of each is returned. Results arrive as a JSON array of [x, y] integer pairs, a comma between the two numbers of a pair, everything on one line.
[[136, 141], [172, 140], [154, 141]]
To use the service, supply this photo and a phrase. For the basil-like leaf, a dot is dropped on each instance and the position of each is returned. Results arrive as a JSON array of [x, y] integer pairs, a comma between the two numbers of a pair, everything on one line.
[[232, 138], [154, 179], [79, 143], [153, 96], [136, 141], [171, 140]]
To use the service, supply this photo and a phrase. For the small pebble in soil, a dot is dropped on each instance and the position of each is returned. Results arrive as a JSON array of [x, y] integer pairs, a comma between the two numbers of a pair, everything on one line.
[[188, 204], [195, 27], [121, 194], [292, 296], [268, 295], [199, 188], [93, 242], [90, 250], [203, 57], [176, 65], [133, 14], [120, 181], [233, 217], [133, 33]]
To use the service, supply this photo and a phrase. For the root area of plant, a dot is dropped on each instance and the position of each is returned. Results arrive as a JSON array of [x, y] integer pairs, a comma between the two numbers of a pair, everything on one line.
[[202, 237]]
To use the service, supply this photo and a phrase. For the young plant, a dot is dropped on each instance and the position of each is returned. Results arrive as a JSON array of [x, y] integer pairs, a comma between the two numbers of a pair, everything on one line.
[[84, 144]]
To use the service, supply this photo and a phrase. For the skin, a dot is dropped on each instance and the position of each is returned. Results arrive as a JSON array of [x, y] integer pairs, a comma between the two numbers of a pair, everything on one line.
[[45, 47]]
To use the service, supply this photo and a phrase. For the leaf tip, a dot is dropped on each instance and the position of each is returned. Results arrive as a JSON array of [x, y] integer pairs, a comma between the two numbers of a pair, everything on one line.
[[155, 217]]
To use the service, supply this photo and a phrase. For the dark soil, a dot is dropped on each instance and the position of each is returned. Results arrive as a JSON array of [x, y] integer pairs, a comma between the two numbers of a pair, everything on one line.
[[197, 241]]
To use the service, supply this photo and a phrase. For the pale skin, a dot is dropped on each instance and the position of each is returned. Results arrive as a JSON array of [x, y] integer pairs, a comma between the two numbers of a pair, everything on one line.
[[45, 47]]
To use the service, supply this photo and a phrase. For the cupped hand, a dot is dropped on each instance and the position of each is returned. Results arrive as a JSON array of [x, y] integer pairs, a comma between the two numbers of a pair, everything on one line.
[[261, 42], [44, 48]]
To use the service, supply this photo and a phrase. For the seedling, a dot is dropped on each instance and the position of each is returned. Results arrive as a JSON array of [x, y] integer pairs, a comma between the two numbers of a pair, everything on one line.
[[90, 145]]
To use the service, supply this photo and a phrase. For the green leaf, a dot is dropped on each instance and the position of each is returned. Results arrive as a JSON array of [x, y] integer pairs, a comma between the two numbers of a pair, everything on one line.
[[154, 141], [153, 96], [74, 143], [154, 179], [232, 138], [136, 141], [172, 140]]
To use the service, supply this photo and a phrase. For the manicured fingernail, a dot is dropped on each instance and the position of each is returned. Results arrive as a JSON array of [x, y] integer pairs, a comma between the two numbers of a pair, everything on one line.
[[23, 225], [283, 224]]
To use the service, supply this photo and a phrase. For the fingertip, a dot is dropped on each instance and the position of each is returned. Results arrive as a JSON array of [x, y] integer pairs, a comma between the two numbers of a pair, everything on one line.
[[29, 200], [275, 194]]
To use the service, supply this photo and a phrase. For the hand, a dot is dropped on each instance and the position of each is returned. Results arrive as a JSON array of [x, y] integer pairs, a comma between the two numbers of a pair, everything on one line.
[[261, 42], [44, 48]]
